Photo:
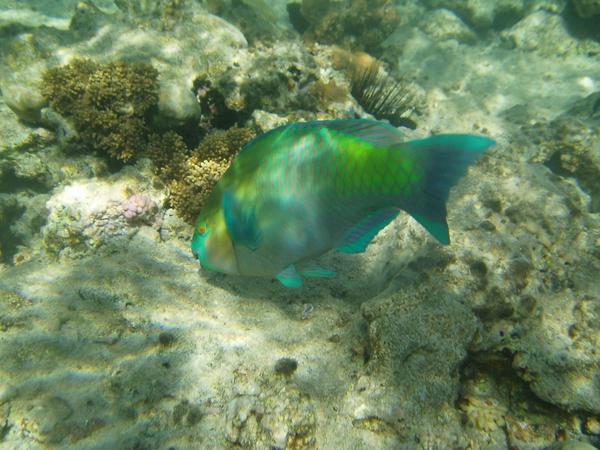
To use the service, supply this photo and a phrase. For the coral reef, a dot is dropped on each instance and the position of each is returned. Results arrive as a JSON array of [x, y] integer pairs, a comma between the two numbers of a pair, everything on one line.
[[167, 152], [110, 338], [535, 309], [280, 417], [215, 112], [401, 333], [109, 104], [94, 216], [164, 13], [138, 208]]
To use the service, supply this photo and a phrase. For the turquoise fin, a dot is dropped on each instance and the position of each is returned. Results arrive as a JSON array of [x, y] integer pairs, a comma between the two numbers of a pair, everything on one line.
[[445, 158], [437, 227], [290, 278], [241, 222], [379, 134], [359, 237], [314, 271]]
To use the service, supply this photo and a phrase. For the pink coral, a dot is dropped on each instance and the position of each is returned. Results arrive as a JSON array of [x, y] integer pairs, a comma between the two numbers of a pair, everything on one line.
[[138, 207]]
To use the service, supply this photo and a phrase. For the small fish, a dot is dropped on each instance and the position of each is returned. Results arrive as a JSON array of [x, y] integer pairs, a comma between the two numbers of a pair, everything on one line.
[[305, 188]]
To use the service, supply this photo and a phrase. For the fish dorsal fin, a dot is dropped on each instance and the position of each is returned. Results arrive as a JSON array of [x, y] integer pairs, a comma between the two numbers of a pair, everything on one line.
[[378, 134], [359, 237], [241, 222]]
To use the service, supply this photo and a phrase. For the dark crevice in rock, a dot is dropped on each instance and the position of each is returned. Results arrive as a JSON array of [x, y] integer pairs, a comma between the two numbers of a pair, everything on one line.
[[9, 242], [10, 182], [490, 375], [579, 27]]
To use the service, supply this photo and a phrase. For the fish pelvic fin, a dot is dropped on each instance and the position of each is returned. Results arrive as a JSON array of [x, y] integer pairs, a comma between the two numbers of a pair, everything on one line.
[[361, 235], [290, 278], [444, 159], [315, 271]]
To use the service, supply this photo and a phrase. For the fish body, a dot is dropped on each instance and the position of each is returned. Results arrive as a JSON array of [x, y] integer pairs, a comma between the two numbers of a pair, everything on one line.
[[303, 189]]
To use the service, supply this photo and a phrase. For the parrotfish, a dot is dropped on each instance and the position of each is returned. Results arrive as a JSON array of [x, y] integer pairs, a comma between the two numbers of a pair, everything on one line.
[[305, 188]]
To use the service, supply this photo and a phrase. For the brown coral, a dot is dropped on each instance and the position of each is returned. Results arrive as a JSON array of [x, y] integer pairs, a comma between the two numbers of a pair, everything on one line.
[[168, 152], [202, 169], [109, 104]]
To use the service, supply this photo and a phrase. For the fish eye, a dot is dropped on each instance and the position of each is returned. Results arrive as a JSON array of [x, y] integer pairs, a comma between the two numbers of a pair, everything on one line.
[[201, 229]]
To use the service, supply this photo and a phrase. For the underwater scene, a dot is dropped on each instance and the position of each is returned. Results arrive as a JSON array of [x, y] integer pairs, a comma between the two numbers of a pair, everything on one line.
[[300, 224]]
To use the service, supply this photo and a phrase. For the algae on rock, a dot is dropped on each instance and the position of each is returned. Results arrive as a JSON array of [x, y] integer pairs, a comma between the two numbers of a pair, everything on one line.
[[484, 14], [587, 8], [358, 25]]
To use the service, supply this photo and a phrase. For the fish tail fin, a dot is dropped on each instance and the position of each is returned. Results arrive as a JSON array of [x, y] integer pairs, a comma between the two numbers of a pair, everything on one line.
[[444, 160]]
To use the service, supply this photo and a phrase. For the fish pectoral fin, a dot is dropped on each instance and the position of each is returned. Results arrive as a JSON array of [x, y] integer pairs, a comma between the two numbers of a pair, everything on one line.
[[361, 235], [315, 271], [290, 278], [241, 222]]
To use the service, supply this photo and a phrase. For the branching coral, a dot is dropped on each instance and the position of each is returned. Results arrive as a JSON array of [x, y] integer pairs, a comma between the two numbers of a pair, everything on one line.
[[203, 168], [109, 104], [168, 152]]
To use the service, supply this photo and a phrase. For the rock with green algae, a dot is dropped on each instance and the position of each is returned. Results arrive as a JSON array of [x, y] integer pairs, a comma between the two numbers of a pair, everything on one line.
[[357, 25], [543, 32], [482, 14], [31, 165], [442, 24], [587, 8], [569, 145]]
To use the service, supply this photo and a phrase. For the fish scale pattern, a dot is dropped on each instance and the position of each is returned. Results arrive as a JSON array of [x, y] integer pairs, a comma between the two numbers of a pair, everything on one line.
[[305, 188]]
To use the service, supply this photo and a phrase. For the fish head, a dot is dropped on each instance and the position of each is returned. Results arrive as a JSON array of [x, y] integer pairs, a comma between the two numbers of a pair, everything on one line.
[[212, 244]]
